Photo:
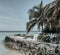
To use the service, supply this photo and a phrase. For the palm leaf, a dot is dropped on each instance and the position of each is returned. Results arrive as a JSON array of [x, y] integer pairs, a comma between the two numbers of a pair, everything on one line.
[[49, 7], [50, 12], [31, 24]]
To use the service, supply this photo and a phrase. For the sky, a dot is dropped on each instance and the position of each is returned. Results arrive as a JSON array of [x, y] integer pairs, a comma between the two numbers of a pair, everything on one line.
[[14, 13]]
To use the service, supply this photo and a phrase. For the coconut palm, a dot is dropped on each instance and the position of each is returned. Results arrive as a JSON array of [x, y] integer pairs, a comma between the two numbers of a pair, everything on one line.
[[56, 13], [37, 18], [40, 18], [50, 13]]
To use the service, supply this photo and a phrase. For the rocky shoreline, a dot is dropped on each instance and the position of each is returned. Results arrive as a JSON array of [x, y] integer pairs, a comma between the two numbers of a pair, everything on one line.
[[29, 47]]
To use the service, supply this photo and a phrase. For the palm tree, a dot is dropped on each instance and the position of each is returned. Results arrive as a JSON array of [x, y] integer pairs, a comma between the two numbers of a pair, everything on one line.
[[57, 14], [48, 15], [48, 11], [52, 15], [37, 17]]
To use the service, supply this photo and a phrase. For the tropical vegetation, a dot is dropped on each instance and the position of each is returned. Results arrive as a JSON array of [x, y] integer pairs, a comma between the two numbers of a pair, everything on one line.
[[47, 17]]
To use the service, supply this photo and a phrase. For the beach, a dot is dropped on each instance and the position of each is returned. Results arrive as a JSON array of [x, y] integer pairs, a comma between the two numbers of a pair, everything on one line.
[[3, 49]]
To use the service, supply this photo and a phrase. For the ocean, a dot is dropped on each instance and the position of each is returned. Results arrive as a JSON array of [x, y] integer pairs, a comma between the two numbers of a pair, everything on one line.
[[3, 49]]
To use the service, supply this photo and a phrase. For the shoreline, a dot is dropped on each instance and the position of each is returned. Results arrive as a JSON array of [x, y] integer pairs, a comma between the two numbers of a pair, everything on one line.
[[25, 46]]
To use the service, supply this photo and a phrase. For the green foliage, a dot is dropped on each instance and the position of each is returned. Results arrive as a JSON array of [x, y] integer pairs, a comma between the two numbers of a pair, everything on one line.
[[58, 37], [54, 39], [40, 37], [46, 39], [48, 15]]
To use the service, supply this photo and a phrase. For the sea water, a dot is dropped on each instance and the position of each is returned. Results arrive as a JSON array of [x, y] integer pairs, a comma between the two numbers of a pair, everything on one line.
[[3, 49]]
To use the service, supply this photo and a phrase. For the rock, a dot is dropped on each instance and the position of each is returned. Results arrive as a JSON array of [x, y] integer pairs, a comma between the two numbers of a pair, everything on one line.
[[7, 39]]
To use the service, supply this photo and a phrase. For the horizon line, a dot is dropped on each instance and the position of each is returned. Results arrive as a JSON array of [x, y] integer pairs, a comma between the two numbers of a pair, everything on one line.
[[16, 31]]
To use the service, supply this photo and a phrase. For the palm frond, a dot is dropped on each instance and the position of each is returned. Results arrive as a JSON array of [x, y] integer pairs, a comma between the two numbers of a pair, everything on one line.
[[48, 7], [49, 13], [31, 24]]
